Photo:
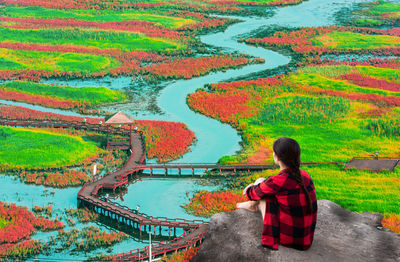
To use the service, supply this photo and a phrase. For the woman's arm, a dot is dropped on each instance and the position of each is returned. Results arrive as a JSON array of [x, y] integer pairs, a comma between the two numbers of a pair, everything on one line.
[[258, 181], [268, 187]]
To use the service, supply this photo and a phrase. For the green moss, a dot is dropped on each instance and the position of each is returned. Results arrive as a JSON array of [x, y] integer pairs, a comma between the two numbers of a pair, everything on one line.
[[23, 148]]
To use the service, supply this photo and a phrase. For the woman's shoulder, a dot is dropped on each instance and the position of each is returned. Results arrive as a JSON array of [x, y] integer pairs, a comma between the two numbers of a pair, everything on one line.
[[304, 173]]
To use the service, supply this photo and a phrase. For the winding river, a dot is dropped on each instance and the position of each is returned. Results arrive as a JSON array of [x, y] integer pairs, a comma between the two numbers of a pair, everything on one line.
[[214, 139]]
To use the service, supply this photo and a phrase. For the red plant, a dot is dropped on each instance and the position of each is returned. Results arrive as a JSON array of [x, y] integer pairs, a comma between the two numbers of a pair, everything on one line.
[[23, 223], [207, 203], [388, 100], [83, 215], [56, 179], [145, 27], [300, 41], [183, 256], [392, 222], [361, 80], [23, 113], [231, 101], [165, 140], [42, 100], [190, 67], [227, 106], [21, 250]]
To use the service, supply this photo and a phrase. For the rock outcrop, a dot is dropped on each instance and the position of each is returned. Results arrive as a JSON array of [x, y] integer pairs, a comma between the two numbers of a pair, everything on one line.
[[341, 235]]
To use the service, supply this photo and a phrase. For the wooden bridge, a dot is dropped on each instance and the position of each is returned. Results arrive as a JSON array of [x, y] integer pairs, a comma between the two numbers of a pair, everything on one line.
[[88, 195]]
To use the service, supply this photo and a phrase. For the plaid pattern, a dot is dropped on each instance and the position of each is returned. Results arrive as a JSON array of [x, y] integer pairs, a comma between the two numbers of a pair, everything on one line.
[[286, 221]]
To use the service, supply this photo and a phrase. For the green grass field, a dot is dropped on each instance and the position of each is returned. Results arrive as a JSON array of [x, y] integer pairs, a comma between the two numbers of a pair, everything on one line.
[[355, 41], [54, 61], [96, 15], [103, 39], [31, 149], [90, 95], [352, 189], [389, 74], [384, 7], [332, 141], [322, 82], [358, 190]]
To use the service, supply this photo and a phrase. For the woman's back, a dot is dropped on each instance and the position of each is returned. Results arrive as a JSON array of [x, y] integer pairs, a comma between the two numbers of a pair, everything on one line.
[[287, 220], [296, 225], [287, 200]]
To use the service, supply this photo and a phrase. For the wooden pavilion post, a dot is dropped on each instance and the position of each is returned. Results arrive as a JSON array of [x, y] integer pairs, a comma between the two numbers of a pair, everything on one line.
[[130, 134], [108, 142]]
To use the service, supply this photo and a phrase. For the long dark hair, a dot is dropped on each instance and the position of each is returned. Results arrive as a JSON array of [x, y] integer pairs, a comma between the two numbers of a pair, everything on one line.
[[288, 151]]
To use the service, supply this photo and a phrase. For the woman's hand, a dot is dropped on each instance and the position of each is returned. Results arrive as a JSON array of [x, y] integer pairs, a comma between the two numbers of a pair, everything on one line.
[[245, 190], [260, 180]]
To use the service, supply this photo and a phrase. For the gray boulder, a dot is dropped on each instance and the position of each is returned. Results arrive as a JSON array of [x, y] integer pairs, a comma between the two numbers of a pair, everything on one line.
[[340, 235]]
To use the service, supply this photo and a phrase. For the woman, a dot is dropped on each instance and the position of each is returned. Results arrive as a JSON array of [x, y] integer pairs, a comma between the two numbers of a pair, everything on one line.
[[287, 201]]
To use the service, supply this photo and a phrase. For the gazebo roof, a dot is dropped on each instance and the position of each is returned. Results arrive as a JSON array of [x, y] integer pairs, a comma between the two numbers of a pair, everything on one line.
[[119, 118]]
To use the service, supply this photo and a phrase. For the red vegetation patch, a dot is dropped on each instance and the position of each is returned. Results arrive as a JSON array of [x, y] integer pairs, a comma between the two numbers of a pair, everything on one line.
[[183, 256], [190, 67], [56, 179], [301, 41], [46, 101], [131, 61], [74, 4], [371, 82], [392, 222], [23, 113], [144, 27], [227, 106], [83, 215], [23, 223], [230, 101], [389, 100], [89, 238], [165, 140], [21, 250], [207, 203]]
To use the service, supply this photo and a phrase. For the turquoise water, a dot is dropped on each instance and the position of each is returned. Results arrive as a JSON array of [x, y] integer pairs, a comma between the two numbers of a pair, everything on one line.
[[163, 197]]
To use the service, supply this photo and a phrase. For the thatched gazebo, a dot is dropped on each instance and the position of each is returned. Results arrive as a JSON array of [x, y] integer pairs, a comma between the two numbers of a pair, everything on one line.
[[120, 119]]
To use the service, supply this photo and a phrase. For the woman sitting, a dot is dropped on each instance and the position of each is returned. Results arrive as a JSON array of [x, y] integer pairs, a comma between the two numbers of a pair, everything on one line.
[[287, 201]]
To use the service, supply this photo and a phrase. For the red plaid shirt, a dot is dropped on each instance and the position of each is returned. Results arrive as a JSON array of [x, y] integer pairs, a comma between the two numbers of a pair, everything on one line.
[[286, 220]]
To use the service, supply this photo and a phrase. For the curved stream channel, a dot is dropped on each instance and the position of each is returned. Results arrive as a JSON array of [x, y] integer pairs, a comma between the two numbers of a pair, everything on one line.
[[163, 197]]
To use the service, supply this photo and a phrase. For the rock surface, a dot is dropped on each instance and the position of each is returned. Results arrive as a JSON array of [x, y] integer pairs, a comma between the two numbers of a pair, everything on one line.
[[340, 235]]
